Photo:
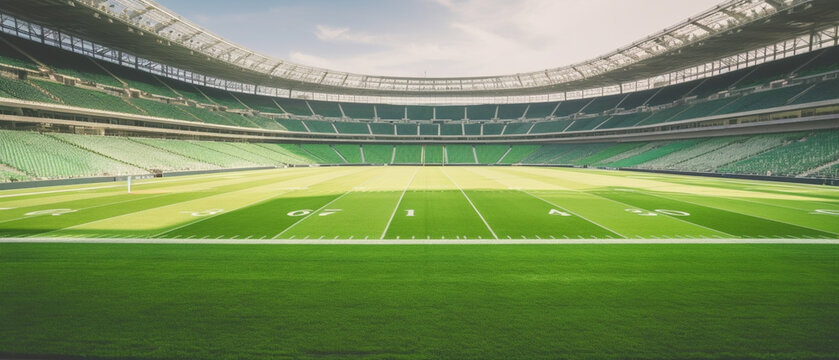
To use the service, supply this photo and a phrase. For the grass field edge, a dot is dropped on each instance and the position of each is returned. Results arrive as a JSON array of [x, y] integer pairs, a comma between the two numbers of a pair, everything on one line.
[[419, 241]]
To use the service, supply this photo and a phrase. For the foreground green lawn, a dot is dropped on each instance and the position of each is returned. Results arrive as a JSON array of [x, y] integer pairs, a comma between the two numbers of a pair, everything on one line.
[[419, 302]]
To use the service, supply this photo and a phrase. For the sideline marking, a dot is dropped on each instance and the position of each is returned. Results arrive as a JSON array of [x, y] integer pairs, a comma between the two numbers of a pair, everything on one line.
[[581, 241]]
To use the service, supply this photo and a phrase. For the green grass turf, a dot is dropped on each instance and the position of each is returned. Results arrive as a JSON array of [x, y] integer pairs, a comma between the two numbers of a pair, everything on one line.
[[419, 302], [447, 202]]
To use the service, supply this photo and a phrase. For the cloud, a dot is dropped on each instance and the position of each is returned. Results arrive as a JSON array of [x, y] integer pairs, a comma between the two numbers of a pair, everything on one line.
[[328, 33], [480, 38], [441, 38]]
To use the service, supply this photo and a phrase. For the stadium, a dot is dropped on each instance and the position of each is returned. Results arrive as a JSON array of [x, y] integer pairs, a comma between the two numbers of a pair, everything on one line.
[[168, 193]]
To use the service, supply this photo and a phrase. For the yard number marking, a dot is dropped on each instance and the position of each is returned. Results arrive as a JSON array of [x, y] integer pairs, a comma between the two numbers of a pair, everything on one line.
[[672, 212], [202, 213], [658, 211], [642, 212], [557, 212], [409, 212], [326, 212], [305, 212], [826, 212], [53, 212]]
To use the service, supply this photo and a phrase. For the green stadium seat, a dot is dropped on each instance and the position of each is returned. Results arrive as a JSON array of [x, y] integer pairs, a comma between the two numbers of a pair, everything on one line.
[[407, 129], [460, 154], [378, 154], [316, 126], [358, 111], [346, 127], [429, 129], [513, 111], [383, 129], [481, 112], [326, 109], [408, 154], [451, 129], [350, 152], [390, 112], [490, 154]]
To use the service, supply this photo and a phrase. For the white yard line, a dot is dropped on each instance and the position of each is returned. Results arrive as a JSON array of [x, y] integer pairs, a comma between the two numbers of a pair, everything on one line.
[[741, 213], [554, 204], [575, 214], [261, 200], [86, 208], [423, 241], [121, 184], [60, 191], [282, 179], [395, 208], [665, 215], [470, 203], [321, 208]]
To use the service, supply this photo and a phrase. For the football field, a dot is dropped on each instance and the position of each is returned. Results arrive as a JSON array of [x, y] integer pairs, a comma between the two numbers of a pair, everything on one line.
[[425, 203], [198, 296]]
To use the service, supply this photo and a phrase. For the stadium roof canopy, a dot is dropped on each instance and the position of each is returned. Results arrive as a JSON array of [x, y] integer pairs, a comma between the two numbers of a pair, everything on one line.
[[144, 28]]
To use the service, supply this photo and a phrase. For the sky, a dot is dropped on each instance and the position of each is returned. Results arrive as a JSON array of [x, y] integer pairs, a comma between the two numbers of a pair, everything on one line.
[[436, 38]]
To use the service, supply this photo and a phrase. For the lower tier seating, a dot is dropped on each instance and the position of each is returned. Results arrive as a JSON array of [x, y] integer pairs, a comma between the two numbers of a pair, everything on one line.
[[32, 156]]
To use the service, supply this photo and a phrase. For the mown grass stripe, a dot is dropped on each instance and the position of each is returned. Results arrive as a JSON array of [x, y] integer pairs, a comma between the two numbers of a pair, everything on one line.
[[320, 208], [575, 214], [470, 203], [398, 202]]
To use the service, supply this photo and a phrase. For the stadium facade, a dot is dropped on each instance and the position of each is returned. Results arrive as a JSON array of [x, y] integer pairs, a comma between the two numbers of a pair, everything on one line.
[[747, 87]]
